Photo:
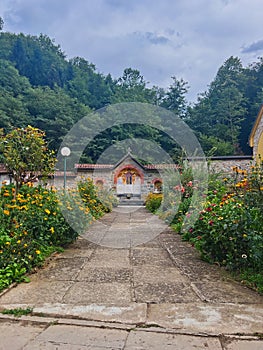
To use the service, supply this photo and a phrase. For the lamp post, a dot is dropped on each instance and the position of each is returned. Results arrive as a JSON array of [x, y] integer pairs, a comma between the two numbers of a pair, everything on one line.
[[65, 151]]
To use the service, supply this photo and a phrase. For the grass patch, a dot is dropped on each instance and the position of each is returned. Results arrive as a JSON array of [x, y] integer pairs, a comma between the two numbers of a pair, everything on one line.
[[18, 311], [251, 279]]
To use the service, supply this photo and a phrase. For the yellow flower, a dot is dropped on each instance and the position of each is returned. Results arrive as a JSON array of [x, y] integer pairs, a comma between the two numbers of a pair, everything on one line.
[[52, 230], [18, 242], [38, 252], [6, 212], [7, 243], [25, 245], [47, 211]]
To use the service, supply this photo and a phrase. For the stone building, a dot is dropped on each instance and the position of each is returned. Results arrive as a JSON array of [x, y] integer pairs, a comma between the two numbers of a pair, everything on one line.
[[128, 178], [256, 136]]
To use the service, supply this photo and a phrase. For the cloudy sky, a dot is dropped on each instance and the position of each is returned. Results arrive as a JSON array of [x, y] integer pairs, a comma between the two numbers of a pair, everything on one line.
[[189, 39]]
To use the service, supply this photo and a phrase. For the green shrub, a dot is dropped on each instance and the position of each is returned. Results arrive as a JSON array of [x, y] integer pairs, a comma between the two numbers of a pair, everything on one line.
[[32, 225], [153, 201], [229, 229]]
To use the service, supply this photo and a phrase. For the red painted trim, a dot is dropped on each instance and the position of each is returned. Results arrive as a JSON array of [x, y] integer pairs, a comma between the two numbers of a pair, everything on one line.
[[157, 179], [99, 179], [128, 167]]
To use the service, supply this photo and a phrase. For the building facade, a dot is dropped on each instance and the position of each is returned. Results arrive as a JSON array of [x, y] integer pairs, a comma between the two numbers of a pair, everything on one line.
[[128, 178], [256, 136]]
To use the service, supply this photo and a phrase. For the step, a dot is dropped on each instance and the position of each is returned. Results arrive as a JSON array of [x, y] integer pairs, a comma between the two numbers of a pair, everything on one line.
[[133, 202]]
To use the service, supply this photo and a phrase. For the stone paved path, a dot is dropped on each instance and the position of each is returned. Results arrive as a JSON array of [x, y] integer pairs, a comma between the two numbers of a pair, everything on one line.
[[131, 283]]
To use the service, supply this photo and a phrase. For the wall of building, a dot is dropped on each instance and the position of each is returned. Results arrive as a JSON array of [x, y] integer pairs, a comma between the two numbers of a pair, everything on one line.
[[258, 140], [222, 165]]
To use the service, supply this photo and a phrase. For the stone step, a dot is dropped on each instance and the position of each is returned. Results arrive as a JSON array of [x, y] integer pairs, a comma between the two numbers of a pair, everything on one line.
[[131, 201]]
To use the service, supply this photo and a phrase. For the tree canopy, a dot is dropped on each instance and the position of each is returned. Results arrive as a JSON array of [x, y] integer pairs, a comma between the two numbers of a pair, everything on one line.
[[25, 154], [39, 86]]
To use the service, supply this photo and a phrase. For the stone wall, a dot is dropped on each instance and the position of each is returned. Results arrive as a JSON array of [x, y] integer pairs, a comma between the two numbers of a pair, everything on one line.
[[225, 164]]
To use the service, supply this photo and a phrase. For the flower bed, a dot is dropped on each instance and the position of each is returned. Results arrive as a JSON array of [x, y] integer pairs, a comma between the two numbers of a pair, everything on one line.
[[32, 225], [229, 228]]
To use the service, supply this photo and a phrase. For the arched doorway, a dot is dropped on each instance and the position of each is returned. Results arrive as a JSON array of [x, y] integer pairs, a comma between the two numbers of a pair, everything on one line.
[[128, 182], [157, 186]]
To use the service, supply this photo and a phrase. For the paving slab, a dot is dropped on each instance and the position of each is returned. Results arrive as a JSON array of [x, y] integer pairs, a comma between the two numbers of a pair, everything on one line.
[[244, 345], [156, 274], [151, 256], [77, 253], [105, 274], [164, 292], [75, 337], [110, 258], [132, 313], [60, 269], [141, 340], [227, 292], [104, 293], [15, 336], [37, 292], [208, 318]]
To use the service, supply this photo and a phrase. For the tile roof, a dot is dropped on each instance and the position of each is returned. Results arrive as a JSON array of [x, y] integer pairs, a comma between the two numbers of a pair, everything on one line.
[[93, 166], [3, 169]]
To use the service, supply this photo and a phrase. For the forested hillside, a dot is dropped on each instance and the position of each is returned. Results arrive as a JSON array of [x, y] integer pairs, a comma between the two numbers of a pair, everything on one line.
[[41, 87]]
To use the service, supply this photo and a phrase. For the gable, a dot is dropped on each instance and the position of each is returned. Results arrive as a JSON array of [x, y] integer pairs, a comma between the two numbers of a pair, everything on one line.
[[129, 159]]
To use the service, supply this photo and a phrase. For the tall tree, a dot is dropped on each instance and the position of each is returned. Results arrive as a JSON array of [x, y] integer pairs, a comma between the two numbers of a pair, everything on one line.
[[131, 87], [220, 111], [175, 97]]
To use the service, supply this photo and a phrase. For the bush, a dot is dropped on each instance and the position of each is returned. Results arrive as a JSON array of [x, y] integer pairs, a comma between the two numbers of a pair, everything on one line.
[[32, 225], [97, 199], [229, 229], [153, 201]]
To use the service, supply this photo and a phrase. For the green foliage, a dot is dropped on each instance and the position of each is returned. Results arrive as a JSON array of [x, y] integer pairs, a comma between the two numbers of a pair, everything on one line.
[[229, 229], [153, 202], [25, 155], [97, 200], [32, 225], [40, 87], [18, 311], [174, 99]]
